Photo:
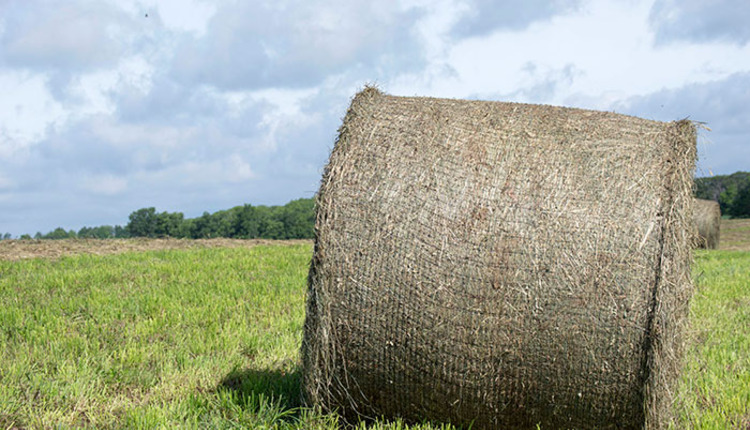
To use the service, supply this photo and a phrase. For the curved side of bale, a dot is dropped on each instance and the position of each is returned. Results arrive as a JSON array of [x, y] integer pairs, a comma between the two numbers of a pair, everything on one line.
[[500, 264], [670, 302], [707, 219]]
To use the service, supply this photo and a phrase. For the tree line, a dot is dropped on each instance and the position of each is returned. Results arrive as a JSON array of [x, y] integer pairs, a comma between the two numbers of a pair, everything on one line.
[[295, 220], [731, 191]]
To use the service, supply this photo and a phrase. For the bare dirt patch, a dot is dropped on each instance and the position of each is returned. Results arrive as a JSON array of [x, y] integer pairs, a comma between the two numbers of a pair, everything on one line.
[[25, 249]]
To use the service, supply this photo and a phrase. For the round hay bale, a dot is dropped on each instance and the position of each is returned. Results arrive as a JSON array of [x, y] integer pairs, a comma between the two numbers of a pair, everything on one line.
[[500, 264], [707, 218]]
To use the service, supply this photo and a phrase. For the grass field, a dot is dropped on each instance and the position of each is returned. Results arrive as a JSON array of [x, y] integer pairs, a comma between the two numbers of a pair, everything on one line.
[[735, 234], [208, 337]]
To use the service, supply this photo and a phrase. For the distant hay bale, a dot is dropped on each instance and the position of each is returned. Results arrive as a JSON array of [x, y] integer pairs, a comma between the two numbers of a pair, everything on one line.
[[707, 218], [500, 264]]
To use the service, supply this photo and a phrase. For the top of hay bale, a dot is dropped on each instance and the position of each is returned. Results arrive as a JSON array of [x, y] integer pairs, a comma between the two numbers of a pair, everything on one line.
[[704, 207], [500, 263]]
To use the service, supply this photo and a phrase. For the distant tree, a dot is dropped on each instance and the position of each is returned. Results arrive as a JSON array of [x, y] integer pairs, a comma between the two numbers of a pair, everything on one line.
[[263, 216], [270, 225], [201, 227], [121, 232], [298, 217], [143, 223], [293, 220], [209, 226], [146, 222], [246, 223], [7, 236], [741, 204], [223, 222], [59, 233], [726, 199], [84, 233], [101, 232], [723, 189], [186, 228], [104, 232], [169, 224], [25, 237], [38, 235], [272, 228]]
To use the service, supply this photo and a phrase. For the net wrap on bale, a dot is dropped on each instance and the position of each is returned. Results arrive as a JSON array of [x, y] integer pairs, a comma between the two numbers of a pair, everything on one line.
[[500, 264], [707, 217]]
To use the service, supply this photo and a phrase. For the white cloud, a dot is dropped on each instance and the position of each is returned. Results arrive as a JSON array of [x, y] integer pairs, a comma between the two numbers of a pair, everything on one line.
[[62, 35], [482, 17], [700, 21], [186, 15], [27, 109], [109, 185], [237, 169], [608, 45], [6, 183], [253, 45], [204, 105]]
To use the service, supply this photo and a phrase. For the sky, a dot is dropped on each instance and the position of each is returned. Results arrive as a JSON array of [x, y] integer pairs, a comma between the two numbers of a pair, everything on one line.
[[189, 106]]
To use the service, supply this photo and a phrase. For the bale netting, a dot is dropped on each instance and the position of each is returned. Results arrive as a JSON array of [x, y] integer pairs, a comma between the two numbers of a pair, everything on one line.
[[707, 218], [500, 265]]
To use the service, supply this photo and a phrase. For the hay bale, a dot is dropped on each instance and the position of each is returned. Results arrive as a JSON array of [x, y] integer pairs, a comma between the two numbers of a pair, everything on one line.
[[707, 218], [500, 264]]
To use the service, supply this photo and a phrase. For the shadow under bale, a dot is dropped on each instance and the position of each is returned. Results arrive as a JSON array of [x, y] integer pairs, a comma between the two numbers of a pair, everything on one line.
[[278, 385], [500, 264], [707, 218]]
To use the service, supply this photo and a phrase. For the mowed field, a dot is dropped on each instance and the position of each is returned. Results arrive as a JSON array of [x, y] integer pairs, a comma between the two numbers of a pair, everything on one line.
[[206, 334]]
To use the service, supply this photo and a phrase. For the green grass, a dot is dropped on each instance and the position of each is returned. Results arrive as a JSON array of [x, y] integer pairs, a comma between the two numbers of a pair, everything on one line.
[[715, 389], [209, 338], [202, 338]]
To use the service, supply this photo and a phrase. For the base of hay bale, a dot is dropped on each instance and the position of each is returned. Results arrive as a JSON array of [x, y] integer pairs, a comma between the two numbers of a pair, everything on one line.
[[707, 219], [500, 264]]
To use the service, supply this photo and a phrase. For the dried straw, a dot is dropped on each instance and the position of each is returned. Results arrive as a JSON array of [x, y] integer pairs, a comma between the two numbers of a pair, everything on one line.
[[500, 264]]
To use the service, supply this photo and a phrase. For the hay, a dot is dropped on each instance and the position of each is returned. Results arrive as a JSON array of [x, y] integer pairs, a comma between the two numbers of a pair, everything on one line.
[[707, 218], [500, 264]]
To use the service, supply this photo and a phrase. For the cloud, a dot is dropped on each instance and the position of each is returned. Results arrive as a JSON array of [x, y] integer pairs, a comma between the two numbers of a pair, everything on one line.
[[482, 17], [252, 45], [700, 21], [184, 15], [206, 105], [174, 148], [539, 84], [108, 185], [81, 48], [5, 183], [167, 102], [69, 36], [721, 105], [26, 109]]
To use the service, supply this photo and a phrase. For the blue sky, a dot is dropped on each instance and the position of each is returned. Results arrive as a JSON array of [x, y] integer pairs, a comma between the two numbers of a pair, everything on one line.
[[192, 106]]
